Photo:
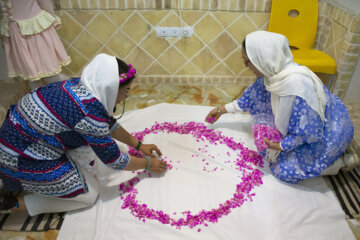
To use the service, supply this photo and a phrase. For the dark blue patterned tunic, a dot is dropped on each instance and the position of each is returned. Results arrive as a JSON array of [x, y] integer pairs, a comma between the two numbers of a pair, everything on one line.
[[39, 130], [309, 147]]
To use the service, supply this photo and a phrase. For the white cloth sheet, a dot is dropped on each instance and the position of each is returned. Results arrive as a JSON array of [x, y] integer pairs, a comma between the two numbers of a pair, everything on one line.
[[278, 211]]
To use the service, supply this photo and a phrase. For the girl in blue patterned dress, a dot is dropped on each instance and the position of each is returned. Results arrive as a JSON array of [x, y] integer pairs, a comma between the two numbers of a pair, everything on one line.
[[45, 124], [315, 126]]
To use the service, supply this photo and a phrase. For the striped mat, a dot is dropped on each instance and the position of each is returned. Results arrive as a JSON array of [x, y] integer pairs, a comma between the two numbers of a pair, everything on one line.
[[346, 187], [21, 221]]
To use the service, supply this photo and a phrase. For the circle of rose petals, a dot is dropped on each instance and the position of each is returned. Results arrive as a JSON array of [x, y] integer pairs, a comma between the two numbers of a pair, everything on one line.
[[246, 162]]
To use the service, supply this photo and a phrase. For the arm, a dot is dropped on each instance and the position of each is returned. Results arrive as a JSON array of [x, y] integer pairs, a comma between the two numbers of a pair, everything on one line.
[[107, 150], [253, 100], [305, 127], [155, 164], [292, 141], [122, 161], [97, 135], [123, 136], [215, 114]]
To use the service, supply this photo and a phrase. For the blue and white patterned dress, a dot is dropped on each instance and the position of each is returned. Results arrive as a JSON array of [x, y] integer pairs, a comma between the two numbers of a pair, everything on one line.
[[309, 147], [39, 130]]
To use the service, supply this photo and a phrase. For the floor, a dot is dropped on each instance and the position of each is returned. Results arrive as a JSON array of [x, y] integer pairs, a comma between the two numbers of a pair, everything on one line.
[[211, 95]]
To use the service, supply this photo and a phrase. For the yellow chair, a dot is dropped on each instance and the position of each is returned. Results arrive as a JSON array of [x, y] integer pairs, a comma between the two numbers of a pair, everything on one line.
[[297, 20]]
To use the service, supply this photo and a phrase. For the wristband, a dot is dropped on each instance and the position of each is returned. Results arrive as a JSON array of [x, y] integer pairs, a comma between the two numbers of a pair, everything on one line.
[[148, 165], [138, 145]]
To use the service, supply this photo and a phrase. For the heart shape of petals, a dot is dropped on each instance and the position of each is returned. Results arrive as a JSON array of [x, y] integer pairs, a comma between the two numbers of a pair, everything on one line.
[[247, 163]]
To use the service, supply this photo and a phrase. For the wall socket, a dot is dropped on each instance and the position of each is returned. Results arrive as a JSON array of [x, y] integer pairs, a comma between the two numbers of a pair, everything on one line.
[[174, 31]]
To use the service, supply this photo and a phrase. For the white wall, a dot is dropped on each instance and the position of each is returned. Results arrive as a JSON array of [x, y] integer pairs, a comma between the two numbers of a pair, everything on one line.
[[352, 94]]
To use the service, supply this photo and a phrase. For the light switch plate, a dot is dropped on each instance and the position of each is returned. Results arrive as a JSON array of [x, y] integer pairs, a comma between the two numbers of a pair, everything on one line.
[[174, 31]]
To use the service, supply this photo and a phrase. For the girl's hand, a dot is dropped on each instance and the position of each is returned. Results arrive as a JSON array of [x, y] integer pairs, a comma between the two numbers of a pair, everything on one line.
[[158, 166], [147, 149], [273, 145], [214, 115]]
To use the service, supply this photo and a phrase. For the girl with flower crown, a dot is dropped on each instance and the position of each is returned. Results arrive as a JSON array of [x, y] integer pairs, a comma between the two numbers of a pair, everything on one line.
[[314, 124], [40, 132]]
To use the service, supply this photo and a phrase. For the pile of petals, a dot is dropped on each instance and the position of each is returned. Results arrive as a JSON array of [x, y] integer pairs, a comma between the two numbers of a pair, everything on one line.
[[260, 131], [247, 162]]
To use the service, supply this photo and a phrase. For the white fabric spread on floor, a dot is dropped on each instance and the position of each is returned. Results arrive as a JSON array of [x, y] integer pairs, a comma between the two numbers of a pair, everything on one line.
[[308, 210]]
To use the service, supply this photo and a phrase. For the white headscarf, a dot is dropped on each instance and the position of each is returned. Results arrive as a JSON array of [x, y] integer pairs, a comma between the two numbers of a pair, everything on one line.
[[101, 77], [270, 54]]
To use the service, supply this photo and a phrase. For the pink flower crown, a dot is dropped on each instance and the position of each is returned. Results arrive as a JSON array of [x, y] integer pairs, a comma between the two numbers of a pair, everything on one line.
[[128, 75]]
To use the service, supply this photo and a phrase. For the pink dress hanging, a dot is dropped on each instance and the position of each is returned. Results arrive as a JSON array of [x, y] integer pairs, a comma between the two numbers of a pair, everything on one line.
[[33, 48]]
